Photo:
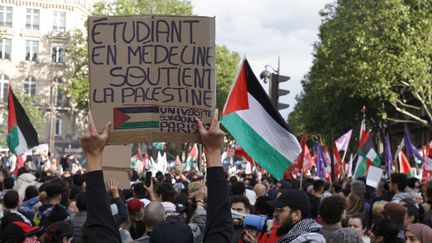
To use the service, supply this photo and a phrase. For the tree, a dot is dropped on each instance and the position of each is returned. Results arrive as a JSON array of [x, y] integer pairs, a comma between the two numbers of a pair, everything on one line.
[[373, 53]]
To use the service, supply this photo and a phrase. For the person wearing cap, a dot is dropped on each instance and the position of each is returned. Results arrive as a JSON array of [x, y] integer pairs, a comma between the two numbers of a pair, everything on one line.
[[135, 223], [17, 232], [292, 212]]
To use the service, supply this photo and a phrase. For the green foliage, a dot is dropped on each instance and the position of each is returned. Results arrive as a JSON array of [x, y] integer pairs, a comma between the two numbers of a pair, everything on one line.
[[373, 53], [226, 67]]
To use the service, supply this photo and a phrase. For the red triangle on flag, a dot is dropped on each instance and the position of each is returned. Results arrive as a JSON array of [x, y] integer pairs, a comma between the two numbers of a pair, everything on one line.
[[120, 117], [238, 97]]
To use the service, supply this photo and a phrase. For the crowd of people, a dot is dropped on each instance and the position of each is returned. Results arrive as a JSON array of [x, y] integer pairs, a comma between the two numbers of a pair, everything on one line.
[[67, 203]]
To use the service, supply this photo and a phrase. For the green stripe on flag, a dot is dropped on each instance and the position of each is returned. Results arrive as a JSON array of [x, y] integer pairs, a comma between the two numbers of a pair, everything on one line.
[[261, 151], [13, 139], [142, 124]]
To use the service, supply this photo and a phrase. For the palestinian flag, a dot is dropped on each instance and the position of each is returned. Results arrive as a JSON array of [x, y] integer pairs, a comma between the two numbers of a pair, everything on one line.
[[136, 117], [367, 156], [21, 134], [192, 158], [257, 126]]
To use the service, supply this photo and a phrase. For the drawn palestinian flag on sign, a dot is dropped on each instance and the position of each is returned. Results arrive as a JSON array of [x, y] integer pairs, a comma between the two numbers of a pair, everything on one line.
[[136, 117]]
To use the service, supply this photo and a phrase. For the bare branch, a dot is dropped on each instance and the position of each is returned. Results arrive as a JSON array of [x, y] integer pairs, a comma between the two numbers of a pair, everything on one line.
[[395, 120], [425, 107], [414, 117], [408, 106]]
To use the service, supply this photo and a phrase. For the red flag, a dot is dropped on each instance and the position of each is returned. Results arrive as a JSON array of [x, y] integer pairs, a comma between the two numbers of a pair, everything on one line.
[[338, 163], [405, 166], [300, 157], [308, 160]]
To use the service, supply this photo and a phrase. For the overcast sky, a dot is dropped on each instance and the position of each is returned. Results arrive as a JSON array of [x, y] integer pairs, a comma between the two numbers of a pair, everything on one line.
[[263, 30]]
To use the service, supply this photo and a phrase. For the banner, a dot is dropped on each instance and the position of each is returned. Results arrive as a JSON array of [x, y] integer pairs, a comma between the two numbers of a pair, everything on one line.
[[151, 76]]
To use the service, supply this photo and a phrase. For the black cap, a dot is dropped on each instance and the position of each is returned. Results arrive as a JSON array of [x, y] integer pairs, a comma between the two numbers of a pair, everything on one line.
[[294, 199]]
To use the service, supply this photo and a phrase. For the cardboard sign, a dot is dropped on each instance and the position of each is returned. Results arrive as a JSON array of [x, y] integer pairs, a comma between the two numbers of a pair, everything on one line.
[[374, 176], [116, 163], [151, 76]]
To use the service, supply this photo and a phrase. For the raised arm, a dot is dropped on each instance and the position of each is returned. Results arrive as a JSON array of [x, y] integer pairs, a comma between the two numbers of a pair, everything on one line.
[[219, 225], [100, 225]]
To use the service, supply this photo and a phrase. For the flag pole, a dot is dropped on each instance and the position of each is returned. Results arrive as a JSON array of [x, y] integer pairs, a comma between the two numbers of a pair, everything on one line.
[[301, 179]]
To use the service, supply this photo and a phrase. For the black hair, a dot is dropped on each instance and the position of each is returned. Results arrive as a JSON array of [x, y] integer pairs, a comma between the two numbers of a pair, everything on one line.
[[238, 188], [361, 217], [78, 179], [411, 182], [233, 179], [241, 199], [8, 183], [400, 179], [58, 213], [53, 190], [318, 184], [412, 210], [331, 209], [167, 192], [60, 230], [11, 199], [387, 229], [30, 192], [337, 186]]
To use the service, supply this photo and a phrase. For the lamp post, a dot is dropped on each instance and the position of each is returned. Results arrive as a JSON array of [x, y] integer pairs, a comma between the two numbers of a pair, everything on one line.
[[53, 94]]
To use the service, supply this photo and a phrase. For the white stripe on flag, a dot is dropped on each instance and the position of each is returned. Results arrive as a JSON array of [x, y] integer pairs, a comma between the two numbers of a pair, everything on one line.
[[269, 130]]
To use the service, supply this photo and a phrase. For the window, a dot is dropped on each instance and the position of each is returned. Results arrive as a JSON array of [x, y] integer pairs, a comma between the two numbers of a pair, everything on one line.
[[5, 16], [30, 85], [5, 49], [4, 87], [32, 50], [58, 127], [59, 21], [32, 19], [58, 52], [61, 98]]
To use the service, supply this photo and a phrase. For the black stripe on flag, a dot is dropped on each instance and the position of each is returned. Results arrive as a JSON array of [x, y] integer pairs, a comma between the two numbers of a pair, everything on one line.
[[257, 91], [24, 124]]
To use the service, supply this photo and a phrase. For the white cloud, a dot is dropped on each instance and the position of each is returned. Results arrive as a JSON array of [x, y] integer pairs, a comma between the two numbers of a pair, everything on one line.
[[264, 30]]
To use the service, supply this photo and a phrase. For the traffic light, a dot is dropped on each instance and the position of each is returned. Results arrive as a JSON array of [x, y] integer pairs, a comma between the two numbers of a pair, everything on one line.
[[276, 92]]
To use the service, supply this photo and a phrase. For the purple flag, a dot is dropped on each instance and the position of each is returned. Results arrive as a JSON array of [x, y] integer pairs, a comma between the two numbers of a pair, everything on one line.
[[388, 156], [410, 148], [321, 165]]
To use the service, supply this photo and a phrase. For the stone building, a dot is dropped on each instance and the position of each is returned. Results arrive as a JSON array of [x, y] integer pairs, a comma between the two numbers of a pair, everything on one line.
[[34, 34]]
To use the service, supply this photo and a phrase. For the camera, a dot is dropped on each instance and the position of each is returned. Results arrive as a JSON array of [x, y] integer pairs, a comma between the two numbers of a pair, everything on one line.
[[259, 223]]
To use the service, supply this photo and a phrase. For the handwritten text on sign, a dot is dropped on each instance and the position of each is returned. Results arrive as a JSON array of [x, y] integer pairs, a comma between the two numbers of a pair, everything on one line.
[[164, 62]]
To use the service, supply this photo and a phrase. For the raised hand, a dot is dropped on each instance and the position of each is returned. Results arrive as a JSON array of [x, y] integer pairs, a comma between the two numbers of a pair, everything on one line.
[[93, 143], [112, 185], [212, 139]]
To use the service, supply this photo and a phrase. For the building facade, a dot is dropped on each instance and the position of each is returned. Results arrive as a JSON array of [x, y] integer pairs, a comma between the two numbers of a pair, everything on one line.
[[33, 38]]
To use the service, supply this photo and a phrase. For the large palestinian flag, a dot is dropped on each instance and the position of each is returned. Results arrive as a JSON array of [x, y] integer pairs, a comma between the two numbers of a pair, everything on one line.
[[257, 126], [21, 134]]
